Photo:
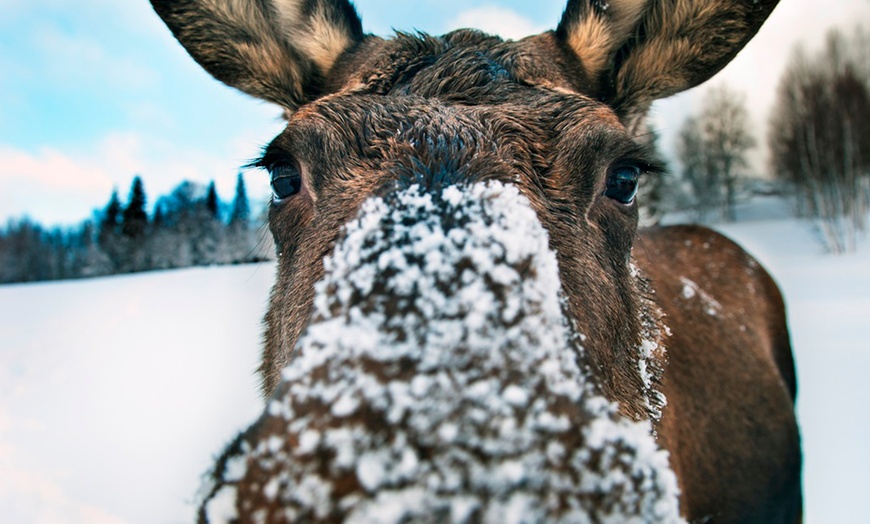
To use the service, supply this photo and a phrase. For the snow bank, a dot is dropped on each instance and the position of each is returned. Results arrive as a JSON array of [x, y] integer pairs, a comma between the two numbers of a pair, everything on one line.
[[116, 393]]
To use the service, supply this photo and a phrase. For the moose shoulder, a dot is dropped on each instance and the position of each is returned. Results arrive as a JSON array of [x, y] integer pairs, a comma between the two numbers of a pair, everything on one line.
[[467, 324]]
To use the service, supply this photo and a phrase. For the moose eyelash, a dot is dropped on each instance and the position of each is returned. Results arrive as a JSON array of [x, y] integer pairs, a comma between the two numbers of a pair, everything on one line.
[[268, 158], [643, 157]]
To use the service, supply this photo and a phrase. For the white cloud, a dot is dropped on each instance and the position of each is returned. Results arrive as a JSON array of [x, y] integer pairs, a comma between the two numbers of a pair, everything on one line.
[[56, 186], [47, 184], [496, 20]]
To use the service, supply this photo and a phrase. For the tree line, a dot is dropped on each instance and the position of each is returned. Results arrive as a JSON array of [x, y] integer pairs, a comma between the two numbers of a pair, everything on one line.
[[191, 226], [818, 139], [819, 135]]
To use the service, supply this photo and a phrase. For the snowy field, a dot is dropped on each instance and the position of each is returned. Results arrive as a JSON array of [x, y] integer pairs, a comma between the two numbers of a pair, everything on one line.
[[828, 299], [115, 393]]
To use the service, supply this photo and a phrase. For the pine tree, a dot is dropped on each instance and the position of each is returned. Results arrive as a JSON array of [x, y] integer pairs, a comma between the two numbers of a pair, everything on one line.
[[111, 217], [207, 229], [31, 255], [173, 244], [109, 235], [165, 250], [241, 210], [134, 225], [158, 220], [241, 235], [134, 219], [212, 204]]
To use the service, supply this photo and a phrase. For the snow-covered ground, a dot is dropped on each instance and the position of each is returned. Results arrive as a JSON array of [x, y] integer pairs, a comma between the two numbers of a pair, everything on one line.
[[116, 393]]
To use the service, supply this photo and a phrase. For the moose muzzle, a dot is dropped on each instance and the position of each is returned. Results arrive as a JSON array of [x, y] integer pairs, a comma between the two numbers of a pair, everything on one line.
[[438, 380]]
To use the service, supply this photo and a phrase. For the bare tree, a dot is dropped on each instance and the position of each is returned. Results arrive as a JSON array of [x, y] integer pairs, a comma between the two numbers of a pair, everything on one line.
[[690, 152], [712, 149], [727, 139], [819, 136]]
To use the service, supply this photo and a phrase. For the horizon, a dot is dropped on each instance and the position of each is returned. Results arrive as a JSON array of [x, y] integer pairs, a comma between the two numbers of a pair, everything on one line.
[[86, 106]]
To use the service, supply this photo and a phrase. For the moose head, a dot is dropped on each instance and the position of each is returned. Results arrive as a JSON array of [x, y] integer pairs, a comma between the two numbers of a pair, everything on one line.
[[467, 324]]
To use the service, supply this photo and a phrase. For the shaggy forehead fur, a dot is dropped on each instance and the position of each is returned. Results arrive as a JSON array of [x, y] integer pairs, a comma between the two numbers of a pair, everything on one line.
[[444, 102], [454, 63]]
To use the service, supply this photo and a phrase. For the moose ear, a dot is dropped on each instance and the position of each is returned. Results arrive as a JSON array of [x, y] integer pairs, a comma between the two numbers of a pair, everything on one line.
[[276, 50], [636, 51]]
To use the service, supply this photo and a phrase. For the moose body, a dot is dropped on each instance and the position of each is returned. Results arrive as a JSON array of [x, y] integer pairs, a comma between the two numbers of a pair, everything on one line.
[[421, 363]]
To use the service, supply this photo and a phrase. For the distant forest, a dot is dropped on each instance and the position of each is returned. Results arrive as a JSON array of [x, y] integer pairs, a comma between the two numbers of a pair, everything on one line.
[[188, 227], [818, 140]]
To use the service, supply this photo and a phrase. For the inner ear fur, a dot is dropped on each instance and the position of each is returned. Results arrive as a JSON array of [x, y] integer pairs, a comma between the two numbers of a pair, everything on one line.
[[275, 50], [636, 51]]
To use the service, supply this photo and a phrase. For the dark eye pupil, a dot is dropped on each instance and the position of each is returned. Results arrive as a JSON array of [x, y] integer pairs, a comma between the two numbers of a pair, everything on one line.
[[286, 181], [622, 185]]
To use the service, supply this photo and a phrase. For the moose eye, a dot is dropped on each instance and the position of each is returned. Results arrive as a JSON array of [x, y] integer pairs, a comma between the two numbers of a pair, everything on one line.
[[622, 184], [286, 180]]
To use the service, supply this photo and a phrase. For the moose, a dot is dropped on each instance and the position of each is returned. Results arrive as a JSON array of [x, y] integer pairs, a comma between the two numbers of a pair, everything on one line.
[[468, 325]]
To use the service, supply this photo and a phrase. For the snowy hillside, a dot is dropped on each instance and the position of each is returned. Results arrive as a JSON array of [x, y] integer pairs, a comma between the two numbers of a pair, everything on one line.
[[115, 393]]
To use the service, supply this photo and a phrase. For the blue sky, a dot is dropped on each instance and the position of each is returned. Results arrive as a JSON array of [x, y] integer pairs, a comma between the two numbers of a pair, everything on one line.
[[94, 92]]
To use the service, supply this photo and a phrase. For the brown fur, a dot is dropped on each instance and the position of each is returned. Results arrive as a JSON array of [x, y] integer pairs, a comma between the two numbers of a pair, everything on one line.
[[552, 114], [596, 30], [730, 380], [277, 50]]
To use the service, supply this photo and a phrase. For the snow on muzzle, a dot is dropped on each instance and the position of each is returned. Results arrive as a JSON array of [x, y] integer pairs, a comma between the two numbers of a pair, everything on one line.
[[436, 383]]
